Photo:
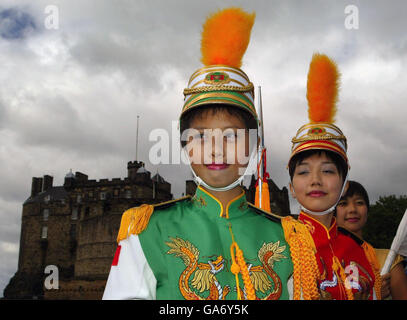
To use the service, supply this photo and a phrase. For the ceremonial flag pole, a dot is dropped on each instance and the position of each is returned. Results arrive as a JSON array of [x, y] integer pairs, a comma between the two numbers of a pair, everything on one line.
[[137, 138], [260, 171], [399, 245], [262, 197]]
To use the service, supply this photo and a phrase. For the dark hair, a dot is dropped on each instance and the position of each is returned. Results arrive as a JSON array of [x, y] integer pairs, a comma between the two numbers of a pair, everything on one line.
[[185, 122], [339, 162], [355, 188]]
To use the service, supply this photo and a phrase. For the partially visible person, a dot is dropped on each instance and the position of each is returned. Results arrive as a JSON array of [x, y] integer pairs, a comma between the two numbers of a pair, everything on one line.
[[351, 214]]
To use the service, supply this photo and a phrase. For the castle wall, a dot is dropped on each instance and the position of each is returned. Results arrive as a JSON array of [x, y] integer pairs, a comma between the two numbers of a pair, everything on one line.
[[82, 220], [40, 249], [100, 206], [96, 245], [61, 247], [31, 254]]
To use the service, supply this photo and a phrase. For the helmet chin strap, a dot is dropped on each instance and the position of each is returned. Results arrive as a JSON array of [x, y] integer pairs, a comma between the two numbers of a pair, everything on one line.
[[329, 210], [239, 181]]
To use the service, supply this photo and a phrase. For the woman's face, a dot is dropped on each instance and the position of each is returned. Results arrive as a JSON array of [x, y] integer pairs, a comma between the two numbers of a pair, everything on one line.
[[351, 213], [316, 183], [218, 148]]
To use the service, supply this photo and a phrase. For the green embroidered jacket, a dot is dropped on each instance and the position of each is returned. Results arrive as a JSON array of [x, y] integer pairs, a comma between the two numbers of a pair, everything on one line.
[[187, 244]]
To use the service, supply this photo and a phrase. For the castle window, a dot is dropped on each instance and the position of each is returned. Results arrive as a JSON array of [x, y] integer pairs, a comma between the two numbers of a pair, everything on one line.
[[87, 211], [44, 232], [74, 214], [116, 192], [72, 231], [47, 198], [91, 194], [103, 196], [78, 198], [127, 194], [45, 214]]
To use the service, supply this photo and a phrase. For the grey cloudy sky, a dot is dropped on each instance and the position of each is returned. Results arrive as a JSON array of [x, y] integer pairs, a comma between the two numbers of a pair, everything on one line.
[[69, 97]]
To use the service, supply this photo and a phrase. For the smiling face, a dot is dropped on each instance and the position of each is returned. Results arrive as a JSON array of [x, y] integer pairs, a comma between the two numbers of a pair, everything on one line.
[[316, 182], [351, 213], [218, 146]]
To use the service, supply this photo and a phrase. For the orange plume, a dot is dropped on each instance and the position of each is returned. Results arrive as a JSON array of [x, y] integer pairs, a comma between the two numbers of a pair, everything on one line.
[[225, 37], [322, 89]]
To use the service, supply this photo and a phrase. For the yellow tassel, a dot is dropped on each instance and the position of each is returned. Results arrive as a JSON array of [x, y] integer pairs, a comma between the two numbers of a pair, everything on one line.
[[235, 269], [134, 221], [374, 263], [265, 197], [257, 197], [302, 248], [240, 266]]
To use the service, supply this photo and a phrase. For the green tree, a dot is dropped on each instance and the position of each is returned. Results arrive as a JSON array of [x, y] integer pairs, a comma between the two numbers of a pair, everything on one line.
[[383, 220]]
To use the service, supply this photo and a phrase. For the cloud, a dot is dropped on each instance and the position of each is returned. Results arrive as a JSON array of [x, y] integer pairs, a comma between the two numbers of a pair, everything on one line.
[[9, 247], [3, 114], [16, 24]]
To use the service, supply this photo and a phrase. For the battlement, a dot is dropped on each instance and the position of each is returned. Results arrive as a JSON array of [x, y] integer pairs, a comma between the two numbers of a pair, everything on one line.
[[137, 175], [144, 178], [104, 182], [135, 164]]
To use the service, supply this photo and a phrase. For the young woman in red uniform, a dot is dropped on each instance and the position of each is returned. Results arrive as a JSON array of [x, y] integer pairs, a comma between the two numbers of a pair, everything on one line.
[[318, 168]]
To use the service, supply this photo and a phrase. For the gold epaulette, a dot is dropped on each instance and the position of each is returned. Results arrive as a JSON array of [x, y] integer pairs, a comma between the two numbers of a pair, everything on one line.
[[135, 220], [302, 248]]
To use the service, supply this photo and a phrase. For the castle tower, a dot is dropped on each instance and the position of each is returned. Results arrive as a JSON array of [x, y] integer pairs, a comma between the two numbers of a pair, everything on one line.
[[132, 168]]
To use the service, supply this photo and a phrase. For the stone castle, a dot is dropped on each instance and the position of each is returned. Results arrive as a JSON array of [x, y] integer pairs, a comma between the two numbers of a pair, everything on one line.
[[73, 228]]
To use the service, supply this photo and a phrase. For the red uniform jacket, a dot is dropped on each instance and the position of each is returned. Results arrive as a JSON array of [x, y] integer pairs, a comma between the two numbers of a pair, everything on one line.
[[347, 248]]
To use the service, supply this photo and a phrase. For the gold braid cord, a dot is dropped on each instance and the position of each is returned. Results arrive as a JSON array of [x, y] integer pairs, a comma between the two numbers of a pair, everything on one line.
[[302, 247], [374, 263], [308, 137], [241, 267], [248, 88]]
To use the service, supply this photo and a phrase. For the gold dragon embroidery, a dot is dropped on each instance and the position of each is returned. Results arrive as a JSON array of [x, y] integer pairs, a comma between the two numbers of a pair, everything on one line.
[[204, 274]]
